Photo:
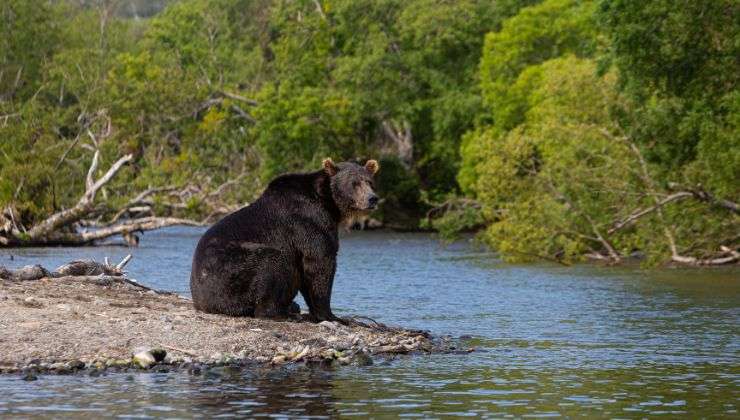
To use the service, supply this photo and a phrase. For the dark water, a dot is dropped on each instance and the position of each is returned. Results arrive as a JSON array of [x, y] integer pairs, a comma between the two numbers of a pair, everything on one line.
[[550, 340]]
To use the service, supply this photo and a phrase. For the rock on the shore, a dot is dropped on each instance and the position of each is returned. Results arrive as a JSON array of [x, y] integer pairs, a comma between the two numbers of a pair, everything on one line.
[[144, 359]]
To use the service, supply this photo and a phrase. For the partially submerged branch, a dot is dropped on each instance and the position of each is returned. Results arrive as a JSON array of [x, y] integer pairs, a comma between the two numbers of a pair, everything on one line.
[[612, 254], [453, 204], [63, 227], [726, 256]]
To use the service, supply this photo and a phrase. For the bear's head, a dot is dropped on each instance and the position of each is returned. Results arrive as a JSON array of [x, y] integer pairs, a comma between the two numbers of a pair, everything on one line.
[[352, 187]]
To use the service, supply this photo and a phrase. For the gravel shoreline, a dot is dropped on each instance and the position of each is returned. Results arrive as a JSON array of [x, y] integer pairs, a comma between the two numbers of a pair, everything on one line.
[[67, 325]]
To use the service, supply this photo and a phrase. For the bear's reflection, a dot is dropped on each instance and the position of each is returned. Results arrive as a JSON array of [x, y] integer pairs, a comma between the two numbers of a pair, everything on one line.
[[294, 391]]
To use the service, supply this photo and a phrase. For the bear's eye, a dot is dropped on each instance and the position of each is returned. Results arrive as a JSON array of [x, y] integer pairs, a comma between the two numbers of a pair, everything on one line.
[[355, 184]]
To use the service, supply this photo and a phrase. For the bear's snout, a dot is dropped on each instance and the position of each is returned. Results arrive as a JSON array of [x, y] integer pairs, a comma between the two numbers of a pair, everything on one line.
[[372, 201]]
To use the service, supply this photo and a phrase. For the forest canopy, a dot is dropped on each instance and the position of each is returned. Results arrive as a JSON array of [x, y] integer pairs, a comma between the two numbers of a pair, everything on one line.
[[557, 129]]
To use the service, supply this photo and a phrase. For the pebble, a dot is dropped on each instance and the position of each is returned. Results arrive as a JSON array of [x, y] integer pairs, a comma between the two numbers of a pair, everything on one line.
[[159, 354], [194, 369], [144, 359], [279, 359], [331, 354], [336, 344], [332, 326], [344, 360], [75, 365], [362, 358], [228, 359], [118, 363], [58, 366], [32, 302]]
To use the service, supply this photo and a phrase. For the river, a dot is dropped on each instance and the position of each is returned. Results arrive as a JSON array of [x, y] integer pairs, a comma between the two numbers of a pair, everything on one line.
[[549, 340]]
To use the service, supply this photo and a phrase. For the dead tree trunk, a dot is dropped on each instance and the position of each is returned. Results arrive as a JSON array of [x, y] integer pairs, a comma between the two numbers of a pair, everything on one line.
[[401, 140]]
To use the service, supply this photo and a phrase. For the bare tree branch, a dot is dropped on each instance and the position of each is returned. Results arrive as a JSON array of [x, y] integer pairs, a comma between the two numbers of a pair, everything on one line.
[[108, 175], [614, 256], [84, 206], [702, 195], [89, 181], [402, 140], [730, 255], [319, 9], [240, 112], [136, 225], [239, 98], [138, 200], [636, 215]]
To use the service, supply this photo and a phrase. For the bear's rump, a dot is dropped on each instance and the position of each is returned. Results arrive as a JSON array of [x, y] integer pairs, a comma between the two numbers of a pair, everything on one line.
[[232, 278]]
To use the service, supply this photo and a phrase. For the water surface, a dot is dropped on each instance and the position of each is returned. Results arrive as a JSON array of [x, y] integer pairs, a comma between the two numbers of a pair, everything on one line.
[[549, 340]]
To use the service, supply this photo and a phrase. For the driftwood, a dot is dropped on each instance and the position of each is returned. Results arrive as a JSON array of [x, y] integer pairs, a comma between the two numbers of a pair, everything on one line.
[[76, 268], [87, 271]]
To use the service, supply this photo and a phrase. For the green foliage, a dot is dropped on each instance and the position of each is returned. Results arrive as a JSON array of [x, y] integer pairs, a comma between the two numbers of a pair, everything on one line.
[[400, 191], [325, 75], [30, 33], [529, 117], [681, 68], [455, 220], [535, 35], [556, 181], [558, 162], [298, 127]]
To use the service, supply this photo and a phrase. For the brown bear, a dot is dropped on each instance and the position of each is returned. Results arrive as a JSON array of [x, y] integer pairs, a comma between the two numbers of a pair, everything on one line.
[[255, 261]]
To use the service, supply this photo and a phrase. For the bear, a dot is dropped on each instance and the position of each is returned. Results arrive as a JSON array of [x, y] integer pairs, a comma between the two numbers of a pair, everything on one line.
[[255, 261]]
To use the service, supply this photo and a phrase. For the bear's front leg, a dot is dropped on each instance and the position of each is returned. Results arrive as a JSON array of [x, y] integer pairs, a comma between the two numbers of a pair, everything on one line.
[[316, 285]]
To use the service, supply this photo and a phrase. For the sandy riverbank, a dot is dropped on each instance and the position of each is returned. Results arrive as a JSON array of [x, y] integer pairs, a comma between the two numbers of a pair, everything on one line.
[[63, 325]]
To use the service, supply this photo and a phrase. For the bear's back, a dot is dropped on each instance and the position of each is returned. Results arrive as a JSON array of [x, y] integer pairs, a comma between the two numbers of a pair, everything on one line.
[[287, 200]]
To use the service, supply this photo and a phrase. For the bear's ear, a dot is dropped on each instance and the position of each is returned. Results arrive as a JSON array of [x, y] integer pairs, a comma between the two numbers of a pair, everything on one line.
[[330, 167], [372, 166]]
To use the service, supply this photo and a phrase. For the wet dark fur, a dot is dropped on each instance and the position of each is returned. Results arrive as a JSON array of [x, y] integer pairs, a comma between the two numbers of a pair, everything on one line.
[[255, 261]]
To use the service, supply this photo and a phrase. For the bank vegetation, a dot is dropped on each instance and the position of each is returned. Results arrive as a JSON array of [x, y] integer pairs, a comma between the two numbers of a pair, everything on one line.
[[557, 129]]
